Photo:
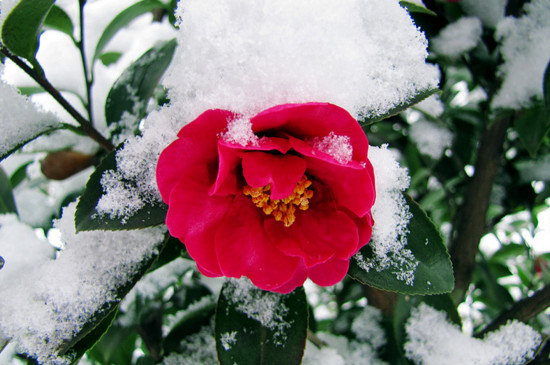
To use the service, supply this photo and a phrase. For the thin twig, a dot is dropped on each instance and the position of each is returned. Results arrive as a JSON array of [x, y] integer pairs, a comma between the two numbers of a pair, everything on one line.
[[85, 125], [88, 74], [312, 337], [523, 310]]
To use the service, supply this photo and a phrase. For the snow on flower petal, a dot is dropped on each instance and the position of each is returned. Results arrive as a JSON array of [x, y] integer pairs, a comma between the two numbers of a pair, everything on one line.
[[272, 211]]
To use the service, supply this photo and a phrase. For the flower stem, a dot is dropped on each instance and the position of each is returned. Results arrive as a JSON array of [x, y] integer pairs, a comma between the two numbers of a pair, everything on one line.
[[88, 73], [86, 127]]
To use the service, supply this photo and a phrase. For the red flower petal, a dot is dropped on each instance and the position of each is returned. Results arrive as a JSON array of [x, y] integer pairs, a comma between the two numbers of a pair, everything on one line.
[[351, 184], [196, 146], [244, 248], [318, 234], [230, 156], [281, 171], [313, 120], [193, 217], [328, 273]]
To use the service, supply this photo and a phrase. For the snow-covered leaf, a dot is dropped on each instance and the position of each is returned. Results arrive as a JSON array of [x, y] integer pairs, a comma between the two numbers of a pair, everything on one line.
[[434, 273], [22, 27], [58, 19], [260, 327], [123, 19], [129, 95], [396, 109], [87, 218]]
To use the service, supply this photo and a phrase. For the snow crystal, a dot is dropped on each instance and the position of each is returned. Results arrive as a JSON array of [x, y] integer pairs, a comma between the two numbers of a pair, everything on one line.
[[20, 119], [366, 327], [262, 306], [199, 348], [228, 339], [458, 37], [239, 131], [433, 340], [21, 250], [246, 57], [49, 304], [526, 51], [430, 138], [489, 11], [391, 217], [339, 147]]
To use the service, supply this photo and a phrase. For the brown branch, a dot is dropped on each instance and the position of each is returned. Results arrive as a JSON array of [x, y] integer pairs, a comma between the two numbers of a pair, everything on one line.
[[471, 218], [381, 299], [85, 125], [523, 310]]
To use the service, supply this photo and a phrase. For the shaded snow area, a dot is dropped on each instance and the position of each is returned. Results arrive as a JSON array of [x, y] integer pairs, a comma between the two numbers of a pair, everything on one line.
[[340, 350], [248, 56], [434, 341], [52, 301], [490, 12], [20, 119], [458, 37], [198, 348], [430, 138], [526, 51], [391, 216]]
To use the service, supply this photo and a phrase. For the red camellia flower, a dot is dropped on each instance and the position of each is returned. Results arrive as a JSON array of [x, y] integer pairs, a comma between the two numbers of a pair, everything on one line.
[[278, 198]]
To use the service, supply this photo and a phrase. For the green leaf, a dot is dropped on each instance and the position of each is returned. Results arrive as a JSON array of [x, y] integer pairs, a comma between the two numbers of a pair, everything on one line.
[[79, 349], [136, 85], [58, 19], [415, 8], [242, 339], [22, 27], [434, 273], [532, 125], [546, 87], [534, 170], [117, 346], [417, 98], [123, 19], [86, 217], [7, 202], [108, 58]]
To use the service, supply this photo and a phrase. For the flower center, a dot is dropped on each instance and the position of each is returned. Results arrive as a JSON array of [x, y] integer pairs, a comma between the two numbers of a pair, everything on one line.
[[283, 209]]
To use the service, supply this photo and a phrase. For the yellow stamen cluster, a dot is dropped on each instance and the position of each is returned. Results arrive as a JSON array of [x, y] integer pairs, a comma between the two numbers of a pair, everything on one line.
[[283, 209]]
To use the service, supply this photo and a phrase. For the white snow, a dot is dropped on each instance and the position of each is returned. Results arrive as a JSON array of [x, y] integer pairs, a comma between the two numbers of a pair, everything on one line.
[[526, 51], [199, 348], [391, 217], [366, 327], [239, 131], [21, 249], [458, 37], [48, 304], [339, 147], [228, 339], [432, 340], [490, 12], [432, 105], [20, 119], [431, 139], [341, 351]]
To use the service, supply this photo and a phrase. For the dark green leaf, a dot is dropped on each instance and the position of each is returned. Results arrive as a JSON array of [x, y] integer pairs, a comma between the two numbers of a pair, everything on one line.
[[244, 340], [546, 88], [421, 95], [86, 217], [59, 20], [415, 8], [108, 58], [22, 27], [434, 273], [136, 85], [88, 341], [117, 346], [532, 125], [123, 19], [7, 202]]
